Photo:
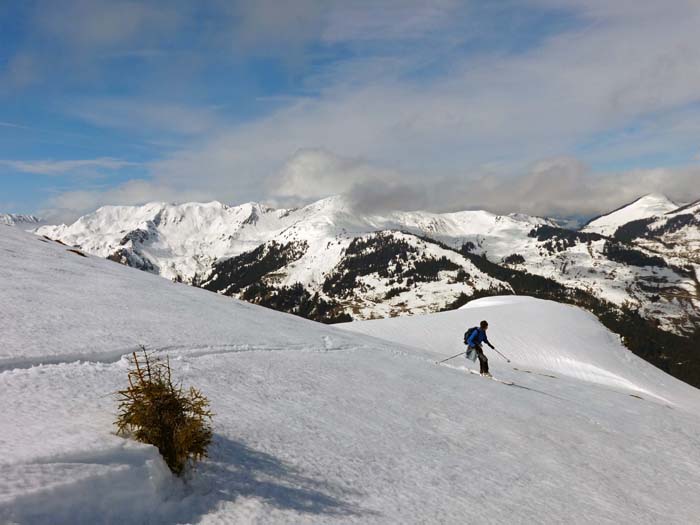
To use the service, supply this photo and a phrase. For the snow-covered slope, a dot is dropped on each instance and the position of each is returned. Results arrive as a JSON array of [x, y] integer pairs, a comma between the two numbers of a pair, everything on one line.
[[536, 335], [676, 235], [315, 424], [652, 205], [95, 309], [618, 272]]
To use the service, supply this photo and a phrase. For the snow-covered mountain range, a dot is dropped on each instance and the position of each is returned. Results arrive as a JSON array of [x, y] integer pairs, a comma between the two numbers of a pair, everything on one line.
[[228, 249], [674, 235], [13, 219], [325, 424], [328, 261]]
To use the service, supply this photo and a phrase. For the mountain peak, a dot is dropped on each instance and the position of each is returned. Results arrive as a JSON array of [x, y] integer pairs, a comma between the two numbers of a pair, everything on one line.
[[655, 197], [645, 207], [332, 203]]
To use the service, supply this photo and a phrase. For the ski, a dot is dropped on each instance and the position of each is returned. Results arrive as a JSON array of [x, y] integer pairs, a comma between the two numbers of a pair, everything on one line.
[[504, 381]]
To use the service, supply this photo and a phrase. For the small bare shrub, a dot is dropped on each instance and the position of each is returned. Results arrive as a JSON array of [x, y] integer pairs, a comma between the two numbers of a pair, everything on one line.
[[153, 410]]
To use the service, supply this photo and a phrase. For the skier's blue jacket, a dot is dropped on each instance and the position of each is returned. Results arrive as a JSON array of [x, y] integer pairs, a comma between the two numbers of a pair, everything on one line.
[[478, 336]]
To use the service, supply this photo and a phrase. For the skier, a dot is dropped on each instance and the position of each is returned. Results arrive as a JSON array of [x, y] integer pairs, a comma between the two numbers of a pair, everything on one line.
[[474, 341]]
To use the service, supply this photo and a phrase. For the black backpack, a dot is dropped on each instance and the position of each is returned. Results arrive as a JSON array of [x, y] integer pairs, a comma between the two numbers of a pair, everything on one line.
[[469, 333]]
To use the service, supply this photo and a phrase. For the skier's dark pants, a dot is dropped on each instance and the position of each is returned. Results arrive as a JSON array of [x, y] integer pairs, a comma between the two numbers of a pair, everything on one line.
[[483, 360]]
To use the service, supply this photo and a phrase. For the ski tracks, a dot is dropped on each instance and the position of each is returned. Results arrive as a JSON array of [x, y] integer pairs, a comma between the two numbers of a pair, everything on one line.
[[179, 350], [509, 383], [662, 401]]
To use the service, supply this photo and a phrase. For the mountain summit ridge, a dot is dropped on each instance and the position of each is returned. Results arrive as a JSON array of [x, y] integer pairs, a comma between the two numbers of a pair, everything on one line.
[[646, 206], [327, 257], [13, 219]]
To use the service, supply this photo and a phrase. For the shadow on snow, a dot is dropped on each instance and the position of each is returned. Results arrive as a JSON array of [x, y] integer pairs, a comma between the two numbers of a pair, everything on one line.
[[234, 470], [121, 485]]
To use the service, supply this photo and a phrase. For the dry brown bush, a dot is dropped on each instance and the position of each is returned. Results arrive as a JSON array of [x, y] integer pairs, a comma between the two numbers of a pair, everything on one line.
[[153, 410]]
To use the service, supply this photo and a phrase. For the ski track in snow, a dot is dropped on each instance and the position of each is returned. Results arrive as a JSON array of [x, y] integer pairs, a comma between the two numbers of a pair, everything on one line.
[[114, 356], [317, 424], [578, 348]]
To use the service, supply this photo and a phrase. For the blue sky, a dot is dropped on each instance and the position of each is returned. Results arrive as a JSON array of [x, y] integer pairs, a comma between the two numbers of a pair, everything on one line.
[[541, 106]]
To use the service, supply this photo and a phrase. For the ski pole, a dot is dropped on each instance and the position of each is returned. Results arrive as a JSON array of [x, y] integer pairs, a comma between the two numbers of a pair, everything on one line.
[[456, 355], [499, 353]]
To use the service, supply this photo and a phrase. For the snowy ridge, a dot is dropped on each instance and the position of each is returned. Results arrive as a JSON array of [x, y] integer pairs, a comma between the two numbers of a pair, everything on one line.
[[677, 235], [179, 240], [12, 219], [183, 240], [652, 205], [316, 424]]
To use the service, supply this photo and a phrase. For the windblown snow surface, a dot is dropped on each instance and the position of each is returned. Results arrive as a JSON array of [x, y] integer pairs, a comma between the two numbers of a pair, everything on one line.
[[316, 424]]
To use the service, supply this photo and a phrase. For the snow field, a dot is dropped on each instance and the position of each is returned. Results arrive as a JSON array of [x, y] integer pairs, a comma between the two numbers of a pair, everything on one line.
[[364, 436], [59, 306], [539, 335], [314, 424]]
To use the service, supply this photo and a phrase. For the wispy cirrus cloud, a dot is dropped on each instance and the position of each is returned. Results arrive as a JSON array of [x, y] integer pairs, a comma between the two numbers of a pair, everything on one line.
[[105, 24], [148, 116], [63, 167], [12, 125]]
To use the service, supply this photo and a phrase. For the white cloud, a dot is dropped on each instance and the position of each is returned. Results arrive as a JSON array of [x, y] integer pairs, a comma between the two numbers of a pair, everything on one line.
[[512, 109], [560, 186], [147, 116], [92, 25], [68, 206], [21, 70], [361, 21], [12, 125], [313, 174], [472, 135], [62, 167], [65, 42], [269, 27]]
